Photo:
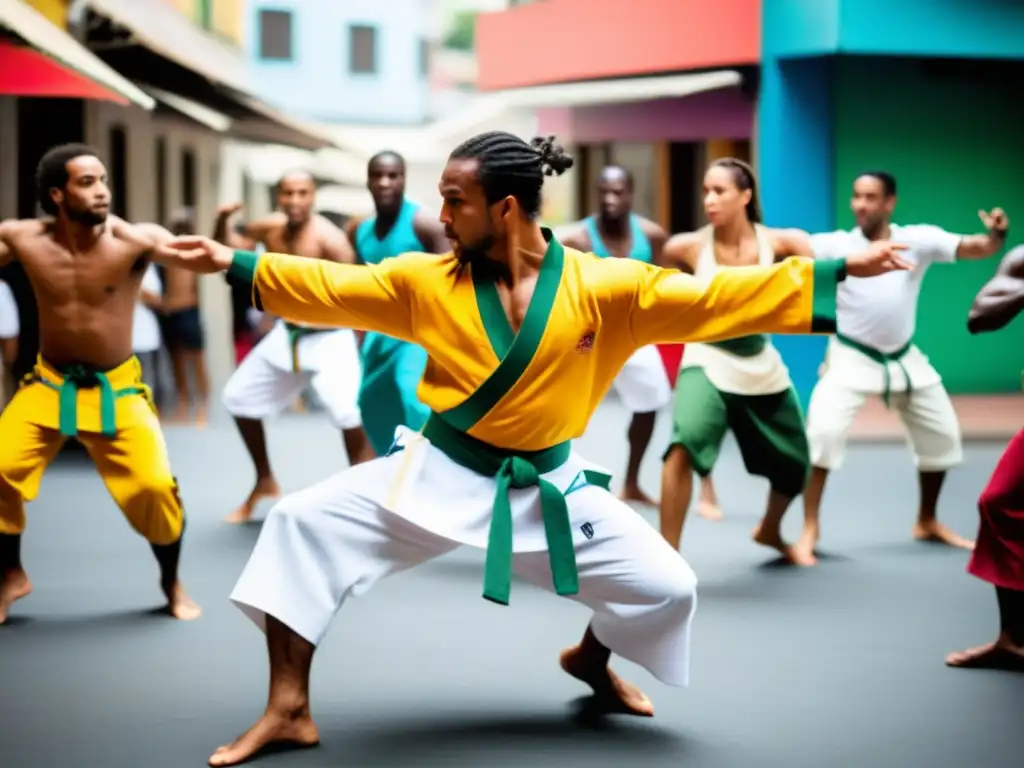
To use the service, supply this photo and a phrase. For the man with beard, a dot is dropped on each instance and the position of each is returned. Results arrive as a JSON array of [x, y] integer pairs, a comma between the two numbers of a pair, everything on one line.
[[873, 354], [392, 368], [293, 356], [86, 269], [512, 322]]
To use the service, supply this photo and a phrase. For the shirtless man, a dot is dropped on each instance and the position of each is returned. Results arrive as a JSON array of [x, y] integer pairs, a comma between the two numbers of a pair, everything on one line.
[[86, 270], [182, 330], [616, 231], [292, 357]]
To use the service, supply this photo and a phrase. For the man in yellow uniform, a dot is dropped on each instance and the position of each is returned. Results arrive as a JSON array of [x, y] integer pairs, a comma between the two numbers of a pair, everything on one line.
[[524, 338], [86, 269]]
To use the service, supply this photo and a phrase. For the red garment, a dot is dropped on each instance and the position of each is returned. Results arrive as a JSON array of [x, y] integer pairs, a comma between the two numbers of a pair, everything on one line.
[[671, 357], [243, 346], [999, 554]]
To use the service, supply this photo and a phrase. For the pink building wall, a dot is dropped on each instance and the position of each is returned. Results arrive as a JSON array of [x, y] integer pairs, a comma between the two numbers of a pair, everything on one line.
[[722, 114]]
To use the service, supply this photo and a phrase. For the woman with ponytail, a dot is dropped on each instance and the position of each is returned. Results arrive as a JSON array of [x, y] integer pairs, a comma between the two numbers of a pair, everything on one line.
[[742, 384]]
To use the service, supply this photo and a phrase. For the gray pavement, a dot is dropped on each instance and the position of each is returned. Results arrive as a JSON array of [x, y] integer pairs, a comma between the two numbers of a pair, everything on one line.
[[840, 665]]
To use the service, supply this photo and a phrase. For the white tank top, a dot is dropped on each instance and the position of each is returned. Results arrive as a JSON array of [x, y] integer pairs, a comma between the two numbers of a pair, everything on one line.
[[746, 370]]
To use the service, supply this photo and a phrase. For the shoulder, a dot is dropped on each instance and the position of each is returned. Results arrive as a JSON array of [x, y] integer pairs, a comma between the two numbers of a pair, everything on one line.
[[424, 223], [13, 230], [1012, 264], [574, 235], [651, 229], [789, 241], [142, 237], [599, 275], [920, 233], [327, 228], [684, 245]]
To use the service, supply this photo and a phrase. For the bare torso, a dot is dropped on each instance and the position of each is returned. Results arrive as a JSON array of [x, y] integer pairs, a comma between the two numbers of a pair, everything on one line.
[[683, 250], [180, 289], [309, 240], [86, 298]]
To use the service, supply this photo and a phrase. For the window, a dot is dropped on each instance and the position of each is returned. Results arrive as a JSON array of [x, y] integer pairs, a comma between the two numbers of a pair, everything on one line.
[[188, 178], [362, 50], [118, 172], [424, 58], [160, 161], [275, 35]]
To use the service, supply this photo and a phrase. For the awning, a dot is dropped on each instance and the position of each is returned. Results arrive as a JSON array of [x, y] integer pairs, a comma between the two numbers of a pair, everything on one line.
[[194, 111], [74, 69], [621, 90], [158, 45]]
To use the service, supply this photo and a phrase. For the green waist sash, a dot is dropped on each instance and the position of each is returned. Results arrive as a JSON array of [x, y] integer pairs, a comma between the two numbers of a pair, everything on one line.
[[744, 346], [883, 359], [515, 469], [297, 332], [77, 377]]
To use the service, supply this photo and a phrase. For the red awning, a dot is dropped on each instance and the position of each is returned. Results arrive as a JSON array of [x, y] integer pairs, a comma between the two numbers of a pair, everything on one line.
[[26, 72]]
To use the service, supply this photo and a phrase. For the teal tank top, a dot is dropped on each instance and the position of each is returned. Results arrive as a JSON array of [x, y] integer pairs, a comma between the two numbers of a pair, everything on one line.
[[641, 250], [400, 239]]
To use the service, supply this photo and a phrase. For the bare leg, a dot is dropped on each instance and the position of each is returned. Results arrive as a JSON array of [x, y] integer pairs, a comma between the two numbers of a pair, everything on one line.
[[588, 662], [14, 583], [707, 506], [286, 720], [197, 362], [676, 490], [769, 531], [179, 369], [266, 486], [1007, 652], [357, 445], [640, 430], [803, 550], [179, 604], [928, 528]]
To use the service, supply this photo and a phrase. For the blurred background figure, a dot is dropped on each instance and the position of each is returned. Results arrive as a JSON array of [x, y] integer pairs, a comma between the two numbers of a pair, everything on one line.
[[10, 327]]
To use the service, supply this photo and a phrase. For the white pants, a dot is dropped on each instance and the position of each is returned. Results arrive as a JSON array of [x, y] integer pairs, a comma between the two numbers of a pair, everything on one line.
[[642, 383], [932, 428], [265, 383], [334, 540]]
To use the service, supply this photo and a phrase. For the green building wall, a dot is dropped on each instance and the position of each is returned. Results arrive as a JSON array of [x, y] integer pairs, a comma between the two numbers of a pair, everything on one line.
[[955, 145]]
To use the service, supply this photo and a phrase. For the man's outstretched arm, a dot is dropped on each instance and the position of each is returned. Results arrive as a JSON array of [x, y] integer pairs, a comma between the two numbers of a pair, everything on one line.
[[1002, 297]]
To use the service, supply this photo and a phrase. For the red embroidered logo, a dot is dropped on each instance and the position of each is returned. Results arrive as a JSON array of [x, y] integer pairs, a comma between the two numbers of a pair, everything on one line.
[[586, 343]]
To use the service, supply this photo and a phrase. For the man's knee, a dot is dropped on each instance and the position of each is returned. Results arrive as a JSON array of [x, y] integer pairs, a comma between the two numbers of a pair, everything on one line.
[[677, 588], [154, 508]]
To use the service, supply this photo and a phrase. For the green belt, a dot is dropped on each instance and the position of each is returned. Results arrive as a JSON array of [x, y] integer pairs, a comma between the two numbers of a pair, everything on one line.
[[296, 332], [514, 469], [744, 346], [882, 359], [78, 377]]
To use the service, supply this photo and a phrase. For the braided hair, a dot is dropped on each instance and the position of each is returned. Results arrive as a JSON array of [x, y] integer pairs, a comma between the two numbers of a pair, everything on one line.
[[509, 167], [743, 176]]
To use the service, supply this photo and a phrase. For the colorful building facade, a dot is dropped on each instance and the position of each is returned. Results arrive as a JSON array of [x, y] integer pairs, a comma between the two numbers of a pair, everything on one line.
[[921, 88]]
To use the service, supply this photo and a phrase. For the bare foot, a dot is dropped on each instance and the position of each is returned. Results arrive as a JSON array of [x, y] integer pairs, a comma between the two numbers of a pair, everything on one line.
[[1002, 654], [273, 728], [774, 540], [633, 493], [803, 551], [709, 510], [178, 416], [180, 605], [14, 586], [202, 417], [936, 532], [264, 489], [613, 695]]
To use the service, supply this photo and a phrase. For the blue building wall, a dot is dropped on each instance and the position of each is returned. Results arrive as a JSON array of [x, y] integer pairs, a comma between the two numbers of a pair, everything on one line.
[[316, 83]]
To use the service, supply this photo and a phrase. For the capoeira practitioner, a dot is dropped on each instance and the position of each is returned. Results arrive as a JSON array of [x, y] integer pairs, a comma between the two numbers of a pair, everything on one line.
[[525, 337], [293, 356], [392, 368], [642, 385], [739, 384], [873, 354], [998, 557]]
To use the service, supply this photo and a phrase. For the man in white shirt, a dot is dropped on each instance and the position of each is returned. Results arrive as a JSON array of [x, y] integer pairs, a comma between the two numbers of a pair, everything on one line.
[[10, 327], [146, 337], [873, 354]]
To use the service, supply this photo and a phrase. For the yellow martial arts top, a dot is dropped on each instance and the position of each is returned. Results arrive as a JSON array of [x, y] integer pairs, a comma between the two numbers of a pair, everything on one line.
[[587, 316]]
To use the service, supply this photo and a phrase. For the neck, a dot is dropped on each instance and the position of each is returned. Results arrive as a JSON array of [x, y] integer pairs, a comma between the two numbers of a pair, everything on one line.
[[733, 231], [389, 214], [76, 236], [614, 226], [520, 255], [879, 232]]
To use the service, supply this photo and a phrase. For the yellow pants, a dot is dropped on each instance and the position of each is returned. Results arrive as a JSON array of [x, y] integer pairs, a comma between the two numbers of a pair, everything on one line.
[[121, 433]]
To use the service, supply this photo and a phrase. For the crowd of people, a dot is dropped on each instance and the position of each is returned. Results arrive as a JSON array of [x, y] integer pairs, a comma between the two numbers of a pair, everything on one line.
[[458, 356]]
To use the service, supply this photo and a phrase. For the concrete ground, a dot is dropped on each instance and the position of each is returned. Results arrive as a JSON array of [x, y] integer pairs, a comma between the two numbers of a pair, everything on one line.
[[840, 665]]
